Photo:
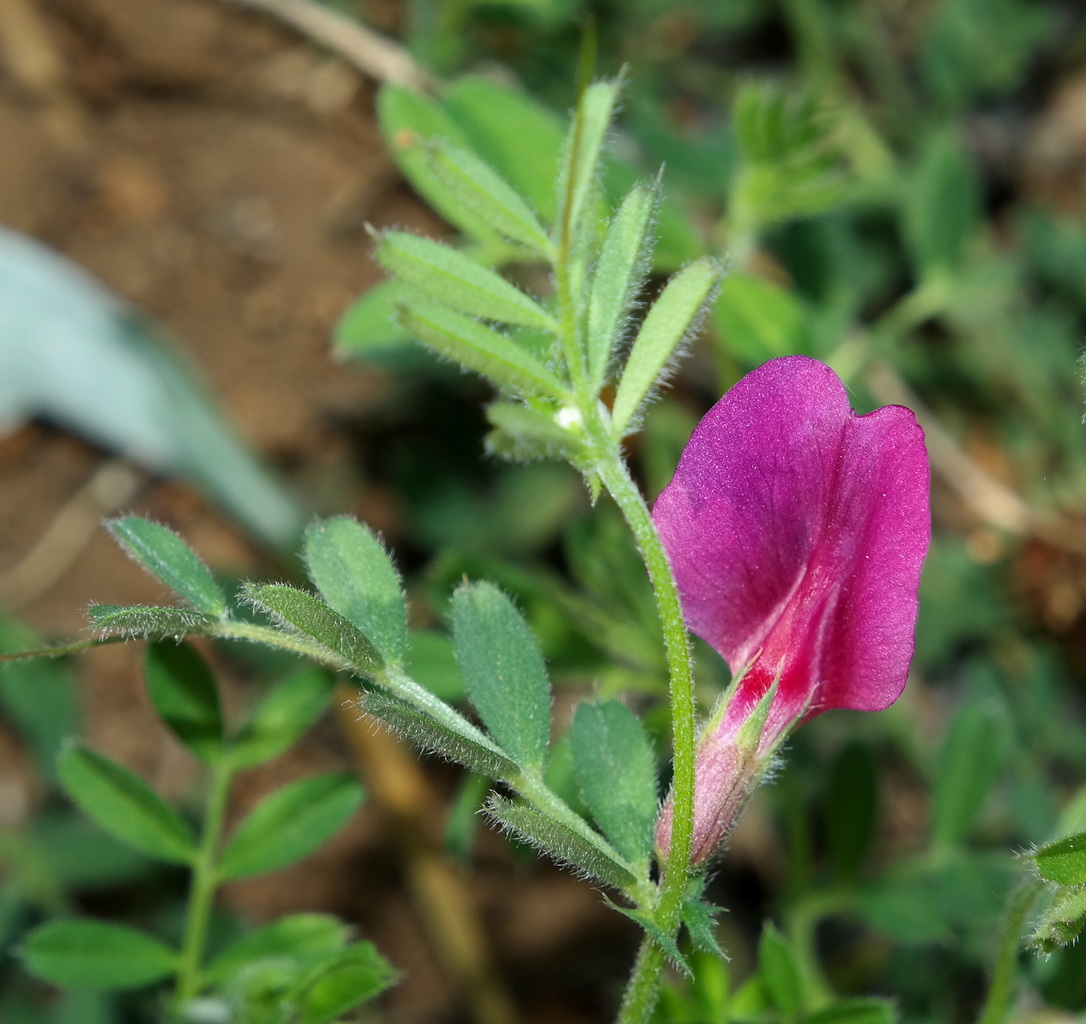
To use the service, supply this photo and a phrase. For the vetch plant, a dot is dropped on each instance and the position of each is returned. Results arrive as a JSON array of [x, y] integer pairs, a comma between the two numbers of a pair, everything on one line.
[[796, 531], [791, 539]]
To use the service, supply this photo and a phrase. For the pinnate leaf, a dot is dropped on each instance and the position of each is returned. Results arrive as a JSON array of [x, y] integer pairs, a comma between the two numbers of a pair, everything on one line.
[[486, 193], [150, 622], [341, 982], [431, 735], [620, 272], [298, 937]]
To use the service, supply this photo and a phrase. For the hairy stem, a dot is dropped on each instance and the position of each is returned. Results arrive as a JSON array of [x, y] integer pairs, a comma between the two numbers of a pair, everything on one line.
[[643, 988]]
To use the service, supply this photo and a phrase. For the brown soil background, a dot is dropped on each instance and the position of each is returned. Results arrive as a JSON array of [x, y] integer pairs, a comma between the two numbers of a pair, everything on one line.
[[217, 170]]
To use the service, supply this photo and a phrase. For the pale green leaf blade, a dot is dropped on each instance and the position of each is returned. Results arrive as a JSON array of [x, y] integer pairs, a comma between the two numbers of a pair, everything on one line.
[[560, 842], [313, 618], [453, 278], [503, 671], [356, 576], [670, 320], [150, 622], [578, 180], [434, 737], [368, 329], [124, 805], [486, 193], [96, 955], [290, 824], [479, 348], [483, 110], [165, 555], [408, 119], [855, 1011], [616, 771], [624, 262]]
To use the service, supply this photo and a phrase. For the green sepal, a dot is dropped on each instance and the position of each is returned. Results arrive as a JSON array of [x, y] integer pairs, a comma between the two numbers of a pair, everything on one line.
[[98, 956], [150, 622], [481, 189], [560, 842], [166, 556], [120, 802], [307, 615], [669, 321], [356, 577], [431, 735], [454, 279], [479, 348]]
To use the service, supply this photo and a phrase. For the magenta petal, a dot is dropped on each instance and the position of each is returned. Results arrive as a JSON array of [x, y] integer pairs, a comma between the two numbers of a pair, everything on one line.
[[796, 530]]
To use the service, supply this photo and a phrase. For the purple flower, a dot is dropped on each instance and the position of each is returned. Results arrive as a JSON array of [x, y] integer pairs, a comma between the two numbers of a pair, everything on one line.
[[796, 531]]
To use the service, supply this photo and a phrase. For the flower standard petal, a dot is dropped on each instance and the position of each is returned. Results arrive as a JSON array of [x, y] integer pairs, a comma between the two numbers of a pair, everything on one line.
[[796, 531]]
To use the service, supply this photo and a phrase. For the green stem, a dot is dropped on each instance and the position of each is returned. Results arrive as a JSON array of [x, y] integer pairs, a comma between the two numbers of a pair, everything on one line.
[[202, 888], [643, 988], [997, 1004]]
